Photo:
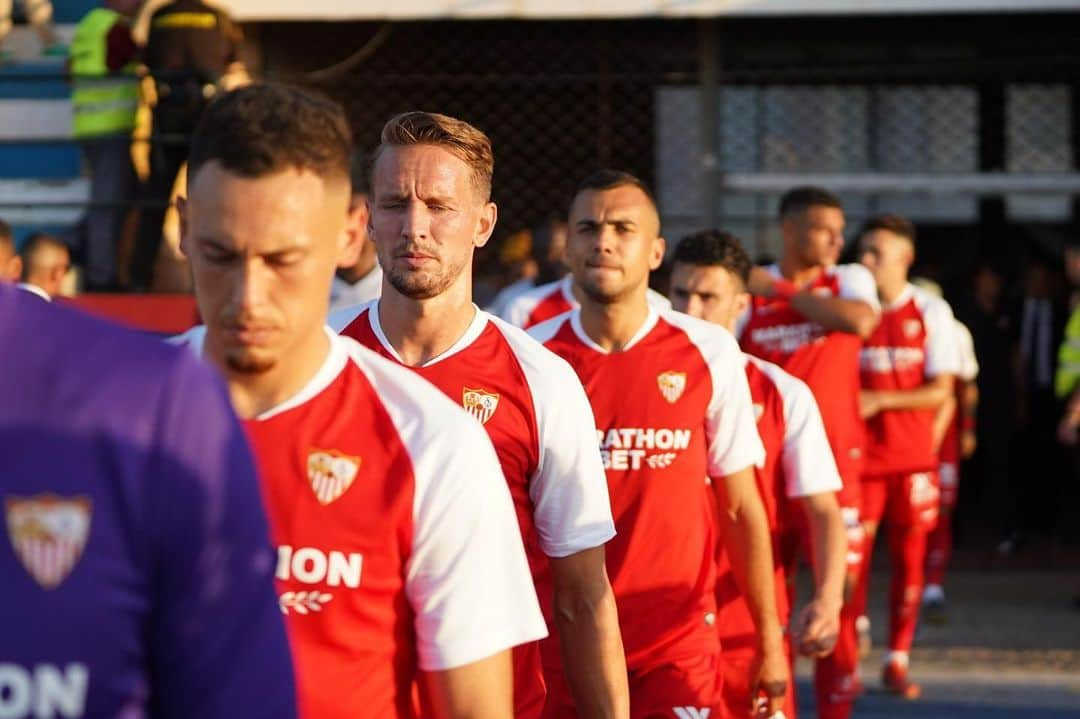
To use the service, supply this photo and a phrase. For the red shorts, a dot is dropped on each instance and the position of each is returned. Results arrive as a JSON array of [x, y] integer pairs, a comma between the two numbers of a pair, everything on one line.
[[735, 684], [949, 481], [684, 689], [856, 538], [905, 500]]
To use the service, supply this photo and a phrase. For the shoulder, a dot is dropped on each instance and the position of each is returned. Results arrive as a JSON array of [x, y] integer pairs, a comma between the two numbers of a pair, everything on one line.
[[339, 319], [422, 415], [934, 308], [657, 300], [547, 330], [713, 341], [518, 307], [785, 382], [850, 274], [544, 369]]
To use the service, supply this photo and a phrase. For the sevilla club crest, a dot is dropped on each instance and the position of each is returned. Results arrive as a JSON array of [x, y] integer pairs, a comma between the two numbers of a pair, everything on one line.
[[331, 473], [48, 534], [479, 404], [912, 328], [672, 385]]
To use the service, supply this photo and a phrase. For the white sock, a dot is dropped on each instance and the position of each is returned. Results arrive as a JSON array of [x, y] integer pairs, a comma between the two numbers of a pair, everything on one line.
[[895, 657], [933, 593]]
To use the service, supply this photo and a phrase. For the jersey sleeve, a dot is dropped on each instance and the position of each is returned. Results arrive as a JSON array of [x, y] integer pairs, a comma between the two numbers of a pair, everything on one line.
[[969, 363], [807, 459], [942, 346], [571, 507], [856, 283], [518, 308], [467, 578], [217, 642], [731, 431]]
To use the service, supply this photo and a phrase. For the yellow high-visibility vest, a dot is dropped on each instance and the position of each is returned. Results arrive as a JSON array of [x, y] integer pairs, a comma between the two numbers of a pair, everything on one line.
[[104, 103], [1067, 377]]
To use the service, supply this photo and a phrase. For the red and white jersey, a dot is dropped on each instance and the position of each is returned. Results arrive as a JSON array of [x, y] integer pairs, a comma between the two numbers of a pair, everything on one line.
[[969, 372], [827, 361], [672, 409], [798, 463], [536, 413], [397, 547], [914, 342], [543, 302]]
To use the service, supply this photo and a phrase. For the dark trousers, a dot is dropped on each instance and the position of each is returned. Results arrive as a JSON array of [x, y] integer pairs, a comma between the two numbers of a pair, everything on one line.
[[168, 153], [112, 186]]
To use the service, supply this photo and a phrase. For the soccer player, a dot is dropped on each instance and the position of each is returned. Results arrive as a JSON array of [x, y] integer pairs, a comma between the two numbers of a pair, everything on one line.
[[136, 566], [362, 281], [672, 408], [810, 316], [398, 551], [553, 299], [797, 483], [907, 370], [430, 210], [955, 425]]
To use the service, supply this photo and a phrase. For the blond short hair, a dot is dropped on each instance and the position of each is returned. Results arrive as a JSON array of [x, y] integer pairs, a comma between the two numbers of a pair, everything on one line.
[[458, 137]]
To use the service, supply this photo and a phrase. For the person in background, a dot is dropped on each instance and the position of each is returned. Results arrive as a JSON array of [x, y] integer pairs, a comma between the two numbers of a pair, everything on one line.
[[139, 576], [45, 262], [10, 262], [105, 99], [545, 264], [190, 47], [360, 282], [39, 13]]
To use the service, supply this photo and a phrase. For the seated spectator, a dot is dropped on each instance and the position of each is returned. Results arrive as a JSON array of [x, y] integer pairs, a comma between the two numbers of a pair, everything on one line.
[[10, 262], [45, 262]]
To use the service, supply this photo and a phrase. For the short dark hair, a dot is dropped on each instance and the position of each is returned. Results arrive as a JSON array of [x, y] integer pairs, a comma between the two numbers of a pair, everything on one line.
[[799, 199], [608, 179], [895, 224], [7, 237], [462, 140], [262, 129], [715, 248], [358, 173]]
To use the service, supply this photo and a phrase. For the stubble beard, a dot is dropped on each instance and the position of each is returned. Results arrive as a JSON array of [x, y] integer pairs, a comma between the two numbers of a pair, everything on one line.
[[423, 285]]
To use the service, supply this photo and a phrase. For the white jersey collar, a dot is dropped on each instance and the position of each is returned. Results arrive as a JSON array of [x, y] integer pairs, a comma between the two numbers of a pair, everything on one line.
[[646, 327], [471, 334]]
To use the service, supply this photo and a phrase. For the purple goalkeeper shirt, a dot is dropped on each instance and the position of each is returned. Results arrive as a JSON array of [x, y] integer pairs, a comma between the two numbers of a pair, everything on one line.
[[135, 569]]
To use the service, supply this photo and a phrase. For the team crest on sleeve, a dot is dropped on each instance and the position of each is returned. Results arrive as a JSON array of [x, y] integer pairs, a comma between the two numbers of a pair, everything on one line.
[[48, 534], [672, 385], [479, 404], [331, 473]]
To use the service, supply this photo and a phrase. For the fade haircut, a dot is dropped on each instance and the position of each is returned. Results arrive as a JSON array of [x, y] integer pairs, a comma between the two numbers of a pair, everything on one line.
[[895, 224], [260, 130], [34, 247], [608, 179], [7, 237], [800, 199], [457, 137], [715, 248]]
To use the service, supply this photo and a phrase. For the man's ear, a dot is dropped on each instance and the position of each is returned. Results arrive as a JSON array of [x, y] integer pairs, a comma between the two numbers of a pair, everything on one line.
[[353, 235], [659, 249], [182, 213], [489, 215], [741, 303]]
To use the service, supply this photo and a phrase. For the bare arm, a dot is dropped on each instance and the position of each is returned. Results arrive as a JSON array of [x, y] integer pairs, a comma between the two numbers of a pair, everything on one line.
[[946, 414], [969, 409], [927, 396], [588, 628], [481, 690], [745, 531], [818, 623], [835, 313]]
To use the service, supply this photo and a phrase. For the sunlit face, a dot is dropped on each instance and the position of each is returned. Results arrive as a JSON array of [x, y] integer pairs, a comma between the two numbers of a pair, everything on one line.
[[887, 255], [427, 219], [816, 235], [708, 292], [10, 263], [263, 253], [614, 242]]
